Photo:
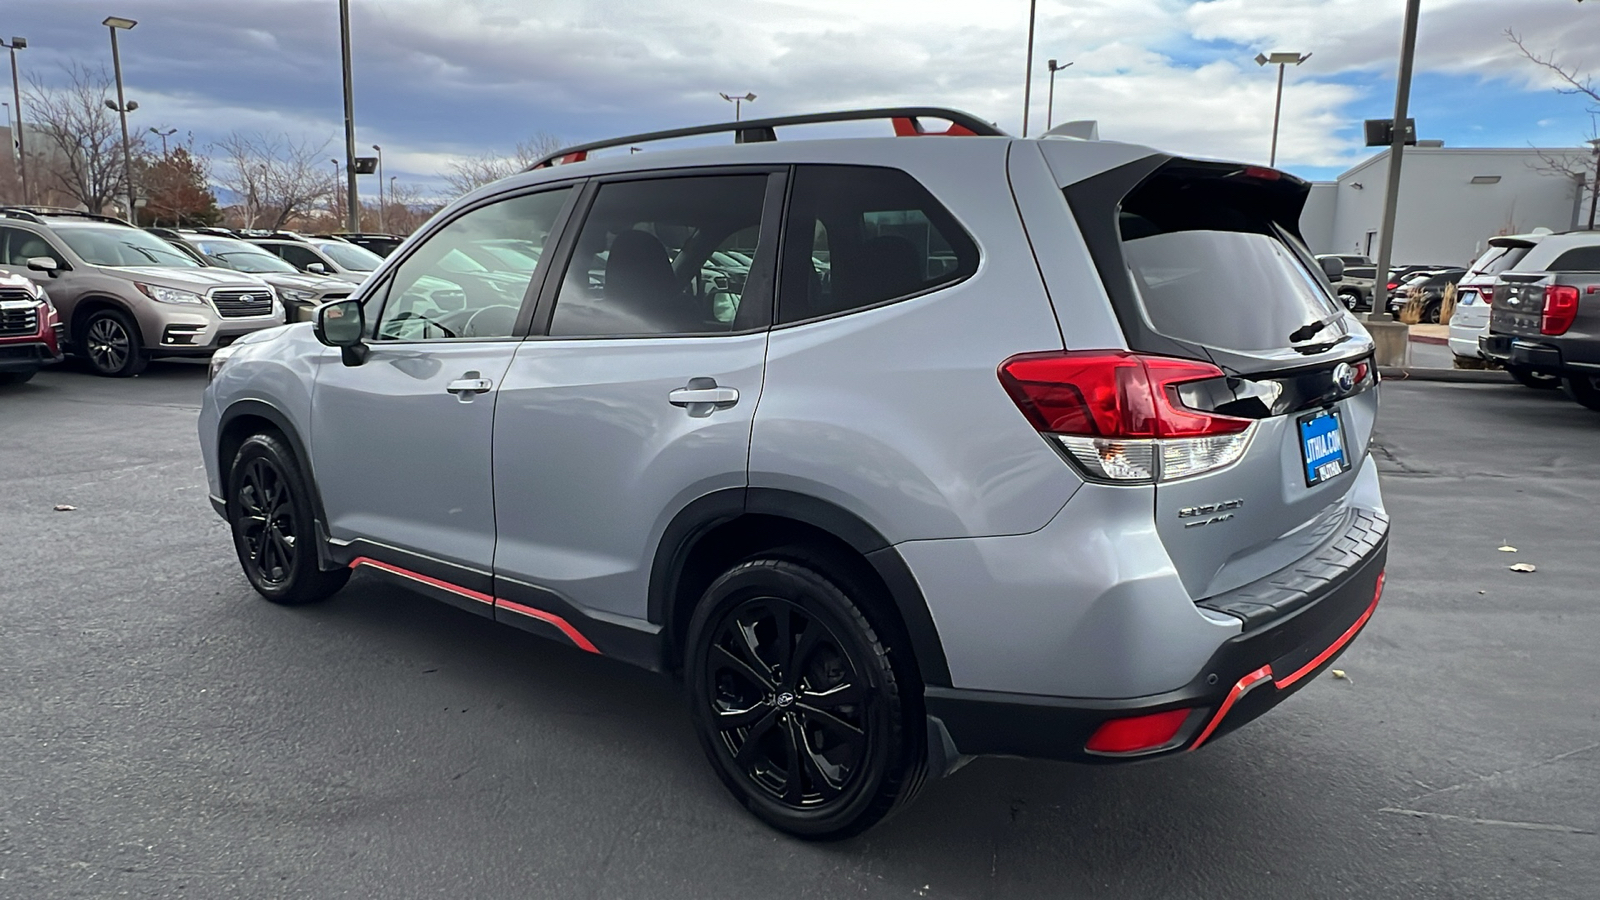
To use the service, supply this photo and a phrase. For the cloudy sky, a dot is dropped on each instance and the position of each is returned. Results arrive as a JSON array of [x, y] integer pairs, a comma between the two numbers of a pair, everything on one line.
[[436, 79]]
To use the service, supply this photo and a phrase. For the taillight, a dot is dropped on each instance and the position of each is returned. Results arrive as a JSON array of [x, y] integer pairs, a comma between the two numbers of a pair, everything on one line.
[[1560, 309], [1118, 416], [1393, 285], [1137, 733]]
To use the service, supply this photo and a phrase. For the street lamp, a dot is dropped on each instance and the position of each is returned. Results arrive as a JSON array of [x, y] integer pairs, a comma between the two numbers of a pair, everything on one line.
[[1594, 189], [163, 135], [1280, 60], [381, 226], [18, 43], [736, 100], [1027, 83], [1050, 106], [122, 106], [353, 205]]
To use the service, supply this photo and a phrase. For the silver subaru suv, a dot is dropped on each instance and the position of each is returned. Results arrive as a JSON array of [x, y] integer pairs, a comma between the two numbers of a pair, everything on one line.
[[127, 296], [1050, 448]]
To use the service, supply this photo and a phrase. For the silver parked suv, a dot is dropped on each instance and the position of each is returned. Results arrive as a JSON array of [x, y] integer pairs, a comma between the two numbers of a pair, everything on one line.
[[1051, 448], [127, 296]]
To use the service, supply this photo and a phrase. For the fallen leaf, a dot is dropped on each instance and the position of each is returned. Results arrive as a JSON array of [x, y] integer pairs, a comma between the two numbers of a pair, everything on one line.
[[1339, 673], [1522, 567], [1508, 549], [63, 507], [1483, 592]]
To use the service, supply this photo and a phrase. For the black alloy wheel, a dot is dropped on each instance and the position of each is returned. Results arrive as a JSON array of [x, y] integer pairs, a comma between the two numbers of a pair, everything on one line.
[[111, 344], [273, 532], [1533, 378], [1431, 312], [1351, 299], [796, 703], [1584, 389]]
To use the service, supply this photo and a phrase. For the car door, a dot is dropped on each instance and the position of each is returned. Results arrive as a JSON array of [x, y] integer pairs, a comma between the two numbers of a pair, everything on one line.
[[635, 395], [400, 443]]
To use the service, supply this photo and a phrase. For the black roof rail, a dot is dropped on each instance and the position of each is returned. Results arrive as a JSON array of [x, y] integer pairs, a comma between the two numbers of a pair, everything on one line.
[[267, 233], [906, 121], [37, 211]]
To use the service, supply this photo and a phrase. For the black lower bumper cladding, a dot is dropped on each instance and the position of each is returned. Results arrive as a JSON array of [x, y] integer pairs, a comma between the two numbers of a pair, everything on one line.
[[1276, 655]]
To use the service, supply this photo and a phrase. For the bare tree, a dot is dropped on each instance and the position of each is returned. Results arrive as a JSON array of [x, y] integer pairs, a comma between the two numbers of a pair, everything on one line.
[[473, 172], [407, 209], [275, 177], [1577, 83], [81, 155]]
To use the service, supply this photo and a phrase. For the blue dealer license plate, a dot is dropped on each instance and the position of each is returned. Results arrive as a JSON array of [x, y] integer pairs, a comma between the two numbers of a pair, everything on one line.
[[1322, 446]]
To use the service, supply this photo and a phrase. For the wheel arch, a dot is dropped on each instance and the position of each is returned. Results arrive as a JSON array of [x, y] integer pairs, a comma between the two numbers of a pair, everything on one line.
[[93, 303], [244, 418], [717, 530]]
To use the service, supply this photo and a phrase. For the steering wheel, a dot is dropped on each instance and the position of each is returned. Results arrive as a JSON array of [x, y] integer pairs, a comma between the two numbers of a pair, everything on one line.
[[484, 323], [426, 322]]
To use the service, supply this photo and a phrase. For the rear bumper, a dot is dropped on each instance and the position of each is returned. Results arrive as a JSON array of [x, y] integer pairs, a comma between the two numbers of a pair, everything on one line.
[[1546, 356], [1292, 634]]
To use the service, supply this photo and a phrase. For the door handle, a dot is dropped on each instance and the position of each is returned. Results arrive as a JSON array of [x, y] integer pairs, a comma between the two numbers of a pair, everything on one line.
[[470, 383], [701, 396]]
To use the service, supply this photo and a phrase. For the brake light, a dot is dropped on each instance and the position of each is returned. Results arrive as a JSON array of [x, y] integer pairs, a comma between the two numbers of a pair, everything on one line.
[[1560, 309], [1393, 285], [1118, 415]]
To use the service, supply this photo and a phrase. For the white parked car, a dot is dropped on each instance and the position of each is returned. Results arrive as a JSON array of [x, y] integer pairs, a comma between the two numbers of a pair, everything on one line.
[[1473, 292]]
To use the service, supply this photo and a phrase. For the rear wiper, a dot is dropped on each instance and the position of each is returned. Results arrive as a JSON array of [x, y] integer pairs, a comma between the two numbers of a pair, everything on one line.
[[1307, 332], [1309, 349]]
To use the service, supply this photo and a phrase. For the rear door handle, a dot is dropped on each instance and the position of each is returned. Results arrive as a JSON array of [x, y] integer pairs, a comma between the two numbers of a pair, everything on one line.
[[470, 383], [702, 396]]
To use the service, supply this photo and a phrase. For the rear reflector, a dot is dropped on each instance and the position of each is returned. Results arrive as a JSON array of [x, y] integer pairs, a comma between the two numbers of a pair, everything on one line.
[[1119, 415], [1137, 733], [1560, 309]]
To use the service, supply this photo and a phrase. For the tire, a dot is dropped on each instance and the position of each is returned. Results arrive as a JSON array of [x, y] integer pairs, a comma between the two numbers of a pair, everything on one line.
[[1584, 390], [1533, 378], [270, 514], [112, 345], [1431, 313], [779, 730], [17, 377], [1350, 299]]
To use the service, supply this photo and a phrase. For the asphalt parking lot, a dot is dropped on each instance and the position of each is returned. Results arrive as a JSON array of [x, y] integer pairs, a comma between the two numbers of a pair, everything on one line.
[[165, 733]]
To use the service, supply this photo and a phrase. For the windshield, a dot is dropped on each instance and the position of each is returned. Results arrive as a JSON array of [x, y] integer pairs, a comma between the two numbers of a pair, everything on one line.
[[1498, 259], [116, 247], [349, 256], [242, 257]]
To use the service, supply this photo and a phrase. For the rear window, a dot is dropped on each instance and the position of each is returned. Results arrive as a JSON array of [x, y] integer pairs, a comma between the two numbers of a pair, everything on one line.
[[1498, 259], [1211, 267], [1580, 259]]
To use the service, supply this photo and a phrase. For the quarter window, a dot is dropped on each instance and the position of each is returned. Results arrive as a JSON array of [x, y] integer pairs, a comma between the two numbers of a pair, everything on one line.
[[859, 236], [669, 256], [1579, 259], [460, 283]]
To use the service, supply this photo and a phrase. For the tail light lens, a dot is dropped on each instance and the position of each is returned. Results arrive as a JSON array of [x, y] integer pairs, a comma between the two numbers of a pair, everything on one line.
[[1560, 309], [1119, 417]]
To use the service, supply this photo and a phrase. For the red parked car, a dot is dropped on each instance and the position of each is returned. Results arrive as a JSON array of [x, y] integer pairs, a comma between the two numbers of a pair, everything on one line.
[[30, 331]]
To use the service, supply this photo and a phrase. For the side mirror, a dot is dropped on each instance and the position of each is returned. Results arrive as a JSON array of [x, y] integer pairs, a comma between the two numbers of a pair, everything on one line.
[[43, 264], [316, 268], [1333, 267], [340, 324]]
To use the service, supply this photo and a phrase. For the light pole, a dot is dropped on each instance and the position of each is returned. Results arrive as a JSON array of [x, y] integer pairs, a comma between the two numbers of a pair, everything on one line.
[[1397, 146], [1050, 106], [1594, 189], [352, 203], [163, 135], [736, 100], [1280, 60], [1027, 84], [122, 106], [336, 214], [18, 43], [391, 193], [381, 226]]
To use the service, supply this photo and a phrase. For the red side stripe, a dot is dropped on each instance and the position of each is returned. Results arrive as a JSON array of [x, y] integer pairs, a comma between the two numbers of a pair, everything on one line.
[[1336, 645], [422, 579], [1246, 685], [561, 624]]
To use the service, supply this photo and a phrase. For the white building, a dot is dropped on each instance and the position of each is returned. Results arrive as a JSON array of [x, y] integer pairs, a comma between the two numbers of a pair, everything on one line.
[[1452, 200]]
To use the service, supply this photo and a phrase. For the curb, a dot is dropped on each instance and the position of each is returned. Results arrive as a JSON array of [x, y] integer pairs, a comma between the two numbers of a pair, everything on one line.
[[1428, 339], [1458, 376]]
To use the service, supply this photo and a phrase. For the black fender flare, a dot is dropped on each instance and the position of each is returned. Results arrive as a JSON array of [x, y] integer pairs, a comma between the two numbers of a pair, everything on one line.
[[707, 512], [262, 410]]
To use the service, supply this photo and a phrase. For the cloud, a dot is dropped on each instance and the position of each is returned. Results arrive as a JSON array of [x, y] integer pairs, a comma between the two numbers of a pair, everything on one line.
[[438, 79]]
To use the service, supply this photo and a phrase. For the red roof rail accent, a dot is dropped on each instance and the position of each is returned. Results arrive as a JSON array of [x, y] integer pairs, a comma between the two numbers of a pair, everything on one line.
[[905, 126]]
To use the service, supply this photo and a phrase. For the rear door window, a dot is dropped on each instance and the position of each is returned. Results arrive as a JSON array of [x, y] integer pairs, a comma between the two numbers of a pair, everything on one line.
[[858, 236], [1578, 259]]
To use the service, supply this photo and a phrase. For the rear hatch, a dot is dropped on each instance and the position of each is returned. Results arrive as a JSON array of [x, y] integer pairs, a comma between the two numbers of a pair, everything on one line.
[[1518, 304], [1204, 262]]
